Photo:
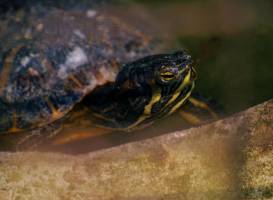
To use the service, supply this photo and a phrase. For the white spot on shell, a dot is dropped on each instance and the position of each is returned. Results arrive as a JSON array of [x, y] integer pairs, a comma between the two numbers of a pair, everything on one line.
[[25, 60], [79, 34], [40, 27], [91, 13], [62, 73], [132, 54], [106, 76], [33, 72], [74, 59]]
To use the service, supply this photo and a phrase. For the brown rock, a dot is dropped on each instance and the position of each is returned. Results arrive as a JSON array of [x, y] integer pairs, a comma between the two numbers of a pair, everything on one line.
[[228, 159]]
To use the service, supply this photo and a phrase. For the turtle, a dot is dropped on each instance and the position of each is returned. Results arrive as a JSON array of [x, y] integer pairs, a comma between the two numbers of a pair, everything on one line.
[[59, 66]]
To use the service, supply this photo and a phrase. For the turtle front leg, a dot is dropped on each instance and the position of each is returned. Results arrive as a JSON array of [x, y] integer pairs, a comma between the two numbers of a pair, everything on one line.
[[34, 139], [74, 135], [52, 135], [198, 110]]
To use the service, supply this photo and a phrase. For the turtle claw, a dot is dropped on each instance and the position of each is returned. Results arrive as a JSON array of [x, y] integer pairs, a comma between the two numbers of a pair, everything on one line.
[[33, 140], [199, 110]]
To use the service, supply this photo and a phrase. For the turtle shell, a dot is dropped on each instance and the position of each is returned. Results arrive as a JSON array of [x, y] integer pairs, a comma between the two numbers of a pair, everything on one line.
[[50, 59]]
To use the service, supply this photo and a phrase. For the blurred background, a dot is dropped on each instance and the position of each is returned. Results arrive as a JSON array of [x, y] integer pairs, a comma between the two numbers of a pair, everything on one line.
[[230, 41]]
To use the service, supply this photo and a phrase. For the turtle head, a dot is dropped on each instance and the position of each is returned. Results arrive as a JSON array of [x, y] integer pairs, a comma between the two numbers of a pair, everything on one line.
[[147, 89]]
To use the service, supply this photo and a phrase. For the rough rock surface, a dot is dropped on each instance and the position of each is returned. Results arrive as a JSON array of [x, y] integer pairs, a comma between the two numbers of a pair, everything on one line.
[[228, 159]]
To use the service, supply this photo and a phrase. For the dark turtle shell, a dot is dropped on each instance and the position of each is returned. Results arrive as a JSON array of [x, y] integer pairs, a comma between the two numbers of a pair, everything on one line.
[[50, 59]]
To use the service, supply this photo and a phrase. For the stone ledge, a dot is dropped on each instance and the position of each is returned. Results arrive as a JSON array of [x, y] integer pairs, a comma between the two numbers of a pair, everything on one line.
[[228, 159]]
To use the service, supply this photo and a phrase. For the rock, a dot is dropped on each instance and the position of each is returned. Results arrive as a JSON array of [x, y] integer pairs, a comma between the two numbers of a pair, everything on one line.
[[228, 159]]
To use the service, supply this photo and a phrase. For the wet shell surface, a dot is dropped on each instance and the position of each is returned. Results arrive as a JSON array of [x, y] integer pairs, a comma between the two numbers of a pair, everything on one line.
[[50, 59]]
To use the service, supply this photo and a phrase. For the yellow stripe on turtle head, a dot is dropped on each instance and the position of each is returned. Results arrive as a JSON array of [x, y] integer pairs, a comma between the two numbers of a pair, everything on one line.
[[147, 109], [182, 100], [155, 98], [184, 83]]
